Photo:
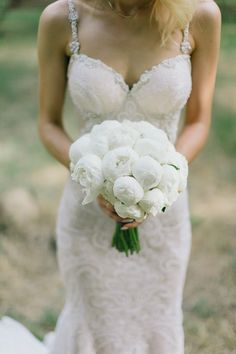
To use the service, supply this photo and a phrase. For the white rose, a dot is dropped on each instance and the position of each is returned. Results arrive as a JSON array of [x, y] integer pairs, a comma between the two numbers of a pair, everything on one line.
[[99, 145], [107, 192], [118, 162], [130, 212], [104, 128], [123, 136], [88, 172], [80, 148], [153, 201], [128, 190], [147, 171], [158, 149], [169, 184]]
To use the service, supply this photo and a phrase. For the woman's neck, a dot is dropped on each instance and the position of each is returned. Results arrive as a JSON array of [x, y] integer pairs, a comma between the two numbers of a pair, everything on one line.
[[129, 7]]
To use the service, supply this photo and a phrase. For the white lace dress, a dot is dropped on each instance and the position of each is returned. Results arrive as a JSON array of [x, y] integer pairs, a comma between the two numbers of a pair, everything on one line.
[[116, 304]]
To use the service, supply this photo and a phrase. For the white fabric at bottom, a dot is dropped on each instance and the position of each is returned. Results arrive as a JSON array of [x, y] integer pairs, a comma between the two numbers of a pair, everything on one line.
[[17, 339]]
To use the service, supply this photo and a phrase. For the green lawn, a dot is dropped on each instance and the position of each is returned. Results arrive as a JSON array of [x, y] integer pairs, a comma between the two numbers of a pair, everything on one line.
[[210, 293]]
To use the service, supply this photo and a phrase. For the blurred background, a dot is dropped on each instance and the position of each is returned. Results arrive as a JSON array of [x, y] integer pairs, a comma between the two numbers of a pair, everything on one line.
[[31, 183]]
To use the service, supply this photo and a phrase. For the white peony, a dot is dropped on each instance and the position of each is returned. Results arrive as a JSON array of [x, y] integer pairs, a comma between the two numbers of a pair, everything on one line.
[[178, 160], [157, 149], [147, 171], [133, 211], [123, 136], [130, 124], [88, 172], [72, 167], [107, 191], [79, 148], [183, 181], [118, 162], [169, 184], [128, 190], [99, 145], [149, 131], [153, 201], [104, 128]]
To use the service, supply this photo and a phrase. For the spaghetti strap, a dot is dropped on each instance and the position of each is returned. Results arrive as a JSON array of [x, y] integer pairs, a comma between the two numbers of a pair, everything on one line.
[[73, 18], [185, 45]]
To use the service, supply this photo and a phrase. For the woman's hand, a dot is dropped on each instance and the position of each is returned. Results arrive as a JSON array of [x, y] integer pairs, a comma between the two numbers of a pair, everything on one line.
[[110, 211]]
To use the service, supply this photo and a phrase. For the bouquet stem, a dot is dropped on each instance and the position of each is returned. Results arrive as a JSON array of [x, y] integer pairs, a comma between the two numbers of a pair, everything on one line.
[[126, 240]]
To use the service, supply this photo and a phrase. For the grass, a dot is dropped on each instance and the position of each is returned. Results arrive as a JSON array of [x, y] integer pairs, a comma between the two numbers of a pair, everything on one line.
[[21, 22], [209, 298], [232, 266], [203, 309], [225, 132]]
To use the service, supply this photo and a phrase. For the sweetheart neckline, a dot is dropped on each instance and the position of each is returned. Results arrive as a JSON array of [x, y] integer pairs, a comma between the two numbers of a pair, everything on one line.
[[142, 76]]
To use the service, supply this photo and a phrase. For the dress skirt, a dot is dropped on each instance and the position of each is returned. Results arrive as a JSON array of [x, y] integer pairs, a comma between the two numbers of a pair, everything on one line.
[[116, 304]]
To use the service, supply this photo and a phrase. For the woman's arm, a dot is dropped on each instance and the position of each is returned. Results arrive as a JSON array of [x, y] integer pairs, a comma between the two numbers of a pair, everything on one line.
[[52, 40], [206, 31]]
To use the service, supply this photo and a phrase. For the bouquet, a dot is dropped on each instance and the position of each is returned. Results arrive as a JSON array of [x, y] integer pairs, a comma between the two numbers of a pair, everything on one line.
[[134, 166]]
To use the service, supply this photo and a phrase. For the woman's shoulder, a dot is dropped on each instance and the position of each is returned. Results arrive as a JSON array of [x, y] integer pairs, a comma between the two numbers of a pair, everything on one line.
[[55, 15], [207, 13], [206, 21], [54, 22]]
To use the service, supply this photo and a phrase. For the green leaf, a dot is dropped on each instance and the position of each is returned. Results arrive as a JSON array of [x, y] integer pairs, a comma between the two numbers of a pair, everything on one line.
[[176, 167]]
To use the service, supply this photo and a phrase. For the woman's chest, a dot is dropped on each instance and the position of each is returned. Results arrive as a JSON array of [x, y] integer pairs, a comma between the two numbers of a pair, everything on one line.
[[129, 49], [99, 90]]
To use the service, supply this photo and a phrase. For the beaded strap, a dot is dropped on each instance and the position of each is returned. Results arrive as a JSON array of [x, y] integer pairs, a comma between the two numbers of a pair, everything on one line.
[[185, 45], [73, 18]]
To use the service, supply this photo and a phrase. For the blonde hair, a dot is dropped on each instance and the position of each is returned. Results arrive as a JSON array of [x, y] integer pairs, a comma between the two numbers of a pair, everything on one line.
[[172, 15]]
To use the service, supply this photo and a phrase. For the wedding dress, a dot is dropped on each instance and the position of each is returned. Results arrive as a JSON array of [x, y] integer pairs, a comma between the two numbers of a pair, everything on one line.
[[116, 304]]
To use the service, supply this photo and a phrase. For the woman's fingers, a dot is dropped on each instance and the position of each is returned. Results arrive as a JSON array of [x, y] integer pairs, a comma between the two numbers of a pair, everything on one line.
[[116, 217], [104, 203], [135, 223], [113, 215], [106, 207], [131, 225], [110, 211]]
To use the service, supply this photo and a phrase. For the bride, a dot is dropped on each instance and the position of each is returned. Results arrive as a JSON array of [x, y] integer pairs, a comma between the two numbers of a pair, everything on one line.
[[140, 60]]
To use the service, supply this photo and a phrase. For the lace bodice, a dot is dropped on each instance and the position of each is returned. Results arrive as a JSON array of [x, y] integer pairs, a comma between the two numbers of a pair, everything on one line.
[[99, 92]]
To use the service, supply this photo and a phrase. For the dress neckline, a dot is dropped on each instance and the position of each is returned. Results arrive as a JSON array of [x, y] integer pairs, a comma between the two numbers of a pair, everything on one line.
[[143, 76]]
